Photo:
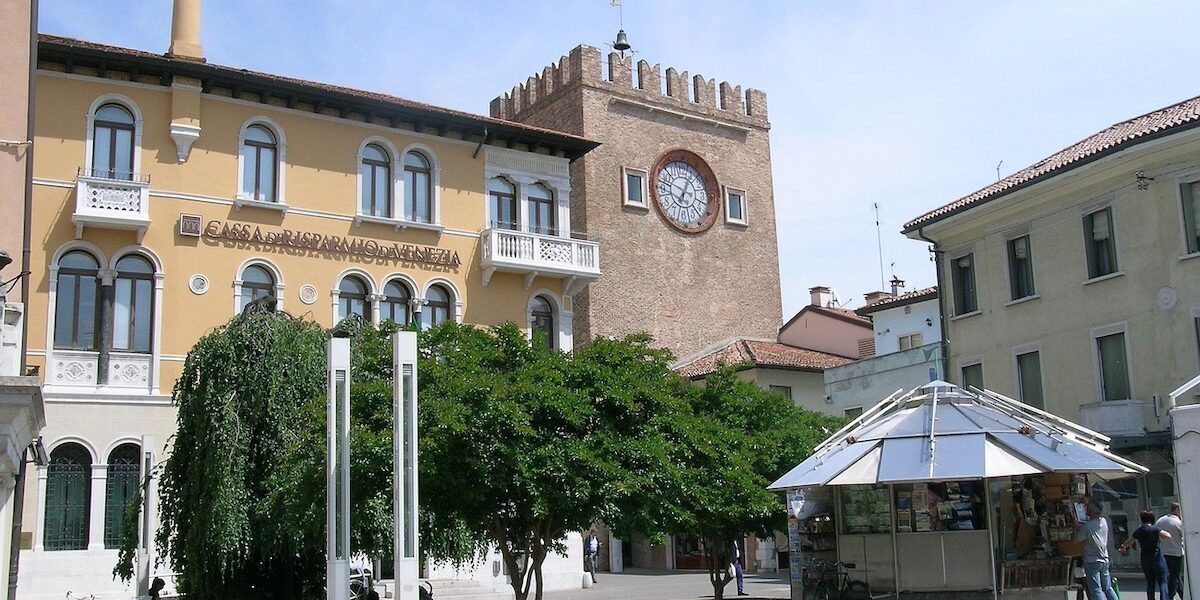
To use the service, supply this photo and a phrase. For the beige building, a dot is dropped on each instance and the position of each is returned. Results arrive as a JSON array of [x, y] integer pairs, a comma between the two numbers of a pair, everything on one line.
[[1074, 285], [170, 192]]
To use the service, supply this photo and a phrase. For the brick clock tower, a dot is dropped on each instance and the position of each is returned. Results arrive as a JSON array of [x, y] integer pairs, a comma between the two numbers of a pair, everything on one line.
[[678, 195]]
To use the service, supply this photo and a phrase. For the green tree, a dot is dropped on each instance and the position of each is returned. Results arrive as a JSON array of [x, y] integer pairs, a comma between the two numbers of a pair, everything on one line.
[[240, 404], [521, 445], [736, 440]]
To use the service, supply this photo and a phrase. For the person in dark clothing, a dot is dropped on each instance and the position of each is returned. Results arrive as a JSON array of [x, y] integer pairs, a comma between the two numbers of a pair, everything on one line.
[[156, 587], [1154, 566]]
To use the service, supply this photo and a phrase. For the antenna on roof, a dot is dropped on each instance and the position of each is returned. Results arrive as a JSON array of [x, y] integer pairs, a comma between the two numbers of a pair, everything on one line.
[[998, 170], [879, 240]]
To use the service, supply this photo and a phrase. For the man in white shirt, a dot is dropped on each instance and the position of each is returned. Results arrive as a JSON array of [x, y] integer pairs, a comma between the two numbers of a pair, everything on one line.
[[1172, 550]]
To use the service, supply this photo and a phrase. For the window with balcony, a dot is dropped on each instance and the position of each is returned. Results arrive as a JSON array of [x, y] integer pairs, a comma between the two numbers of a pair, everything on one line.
[[542, 217], [1189, 194], [418, 187], [1020, 268], [68, 494], [113, 135], [542, 323], [1100, 246], [352, 298], [1114, 367], [1029, 378], [375, 182], [78, 302], [133, 304], [972, 375], [439, 302], [124, 469], [913, 340], [260, 164], [962, 270], [396, 305], [502, 204], [257, 282]]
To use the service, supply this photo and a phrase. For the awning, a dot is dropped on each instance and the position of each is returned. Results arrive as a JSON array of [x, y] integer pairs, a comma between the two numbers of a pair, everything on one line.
[[941, 432]]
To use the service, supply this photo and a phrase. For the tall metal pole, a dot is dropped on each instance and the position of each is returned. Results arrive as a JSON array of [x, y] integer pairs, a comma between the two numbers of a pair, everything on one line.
[[337, 472], [404, 471]]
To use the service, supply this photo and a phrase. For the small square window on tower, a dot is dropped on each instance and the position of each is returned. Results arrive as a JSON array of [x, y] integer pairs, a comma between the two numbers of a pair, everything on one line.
[[633, 186], [735, 206]]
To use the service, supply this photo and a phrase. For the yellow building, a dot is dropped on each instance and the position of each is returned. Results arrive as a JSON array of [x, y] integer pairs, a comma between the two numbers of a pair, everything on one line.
[[169, 192]]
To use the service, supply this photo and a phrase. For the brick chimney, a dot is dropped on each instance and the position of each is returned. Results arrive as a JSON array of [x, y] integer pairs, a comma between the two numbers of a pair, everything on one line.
[[185, 31], [820, 296]]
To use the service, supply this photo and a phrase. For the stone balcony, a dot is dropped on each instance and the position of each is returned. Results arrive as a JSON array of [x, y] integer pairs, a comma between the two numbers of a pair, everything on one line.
[[575, 261], [112, 201], [79, 369]]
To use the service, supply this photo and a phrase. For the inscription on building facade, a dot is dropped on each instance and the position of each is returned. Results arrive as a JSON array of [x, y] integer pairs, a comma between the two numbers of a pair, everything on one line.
[[241, 232]]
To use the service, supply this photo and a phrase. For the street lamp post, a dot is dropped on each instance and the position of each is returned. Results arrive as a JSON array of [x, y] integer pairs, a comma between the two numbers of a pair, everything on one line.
[[337, 471], [404, 470]]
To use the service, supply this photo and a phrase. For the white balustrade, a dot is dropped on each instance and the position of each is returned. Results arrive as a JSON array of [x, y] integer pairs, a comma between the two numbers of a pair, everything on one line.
[[113, 203], [521, 252]]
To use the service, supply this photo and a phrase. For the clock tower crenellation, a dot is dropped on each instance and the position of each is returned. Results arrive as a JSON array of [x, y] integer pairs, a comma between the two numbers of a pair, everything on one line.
[[691, 257]]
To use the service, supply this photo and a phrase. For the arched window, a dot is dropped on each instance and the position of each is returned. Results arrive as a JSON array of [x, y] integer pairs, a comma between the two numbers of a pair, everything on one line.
[[77, 305], [112, 142], [541, 210], [503, 199], [260, 162], [133, 304], [542, 322], [352, 298], [418, 188], [68, 491], [438, 303], [257, 282], [124, 469], [375, 175], [395, 307]]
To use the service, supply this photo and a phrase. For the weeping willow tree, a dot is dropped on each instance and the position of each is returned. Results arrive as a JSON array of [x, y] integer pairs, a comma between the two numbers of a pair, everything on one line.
[[242, 401]]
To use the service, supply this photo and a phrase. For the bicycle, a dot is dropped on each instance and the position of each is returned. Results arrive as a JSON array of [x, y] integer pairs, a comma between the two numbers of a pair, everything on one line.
[[832, 580]]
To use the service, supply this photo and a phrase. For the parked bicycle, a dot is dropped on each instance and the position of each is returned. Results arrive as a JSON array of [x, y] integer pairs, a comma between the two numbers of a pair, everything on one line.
[[830, 581]]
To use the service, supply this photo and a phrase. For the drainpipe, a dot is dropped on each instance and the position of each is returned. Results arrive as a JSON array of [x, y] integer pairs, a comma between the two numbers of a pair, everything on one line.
[[944, 343]]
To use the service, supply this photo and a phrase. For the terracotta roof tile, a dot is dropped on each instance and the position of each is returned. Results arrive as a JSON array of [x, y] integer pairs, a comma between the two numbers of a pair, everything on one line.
[[313, 85], [1176, 117], [761, 353], [901, 300]]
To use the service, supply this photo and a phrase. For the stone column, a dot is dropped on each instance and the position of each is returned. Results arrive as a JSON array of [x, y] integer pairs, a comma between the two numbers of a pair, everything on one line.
[[415, 305], [104, 328], [96, 509], [375, 300]]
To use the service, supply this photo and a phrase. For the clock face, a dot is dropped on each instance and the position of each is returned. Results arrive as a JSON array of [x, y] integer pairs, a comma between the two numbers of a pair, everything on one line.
[[685, 191], [681, 194]]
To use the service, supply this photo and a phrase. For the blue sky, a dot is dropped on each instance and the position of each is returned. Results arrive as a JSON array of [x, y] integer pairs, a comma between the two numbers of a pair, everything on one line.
[[908, 104]]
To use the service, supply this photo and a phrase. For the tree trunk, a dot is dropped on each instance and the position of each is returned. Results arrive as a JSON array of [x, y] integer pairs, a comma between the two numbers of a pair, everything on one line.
[[718, 560]]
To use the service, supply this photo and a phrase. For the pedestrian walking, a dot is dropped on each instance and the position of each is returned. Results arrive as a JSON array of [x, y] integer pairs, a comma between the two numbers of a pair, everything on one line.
[[1094, 534], [1154, 567], [735, 561], [591, 547], [1172, 550]]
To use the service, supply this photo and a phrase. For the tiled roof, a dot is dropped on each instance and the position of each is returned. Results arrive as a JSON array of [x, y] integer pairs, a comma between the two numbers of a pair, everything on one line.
[[1125, 134], [845, 312], [761, 353], [901, 300], [202, 70]]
